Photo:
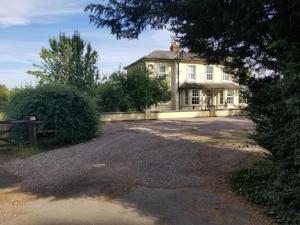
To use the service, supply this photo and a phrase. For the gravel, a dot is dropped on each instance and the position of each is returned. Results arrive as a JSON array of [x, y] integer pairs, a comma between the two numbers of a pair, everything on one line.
[[156, 154]]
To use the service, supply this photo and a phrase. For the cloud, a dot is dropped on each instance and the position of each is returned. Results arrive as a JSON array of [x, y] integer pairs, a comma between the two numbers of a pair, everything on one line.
[[16, 78], [23, 12]]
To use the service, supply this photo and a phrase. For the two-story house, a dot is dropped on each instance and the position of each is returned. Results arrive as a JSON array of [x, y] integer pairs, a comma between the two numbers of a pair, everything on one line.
[[194, 84]]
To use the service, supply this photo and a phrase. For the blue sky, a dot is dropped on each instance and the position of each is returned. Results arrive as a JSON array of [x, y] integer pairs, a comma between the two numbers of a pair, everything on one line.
[[26, 25]]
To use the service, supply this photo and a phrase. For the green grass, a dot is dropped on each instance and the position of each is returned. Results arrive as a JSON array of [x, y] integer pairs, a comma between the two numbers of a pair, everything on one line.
[[277, 189], [21, 151]]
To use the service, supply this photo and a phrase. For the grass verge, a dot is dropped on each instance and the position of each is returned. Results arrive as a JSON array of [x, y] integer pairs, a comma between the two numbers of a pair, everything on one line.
[[277, 189]]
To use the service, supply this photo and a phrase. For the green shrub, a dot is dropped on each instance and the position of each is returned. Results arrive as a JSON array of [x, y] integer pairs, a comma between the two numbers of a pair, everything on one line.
[[275, 188], [58, 108], [134, 91]]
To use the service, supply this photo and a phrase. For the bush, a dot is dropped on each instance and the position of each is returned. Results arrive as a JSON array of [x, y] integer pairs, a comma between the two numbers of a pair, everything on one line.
[[134, 91], [276, 189], [63, 109]]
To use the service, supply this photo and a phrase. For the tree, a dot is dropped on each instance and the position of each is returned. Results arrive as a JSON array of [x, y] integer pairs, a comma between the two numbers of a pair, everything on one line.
[[132, 91], [4, 94], [241, 34], [70, 61]]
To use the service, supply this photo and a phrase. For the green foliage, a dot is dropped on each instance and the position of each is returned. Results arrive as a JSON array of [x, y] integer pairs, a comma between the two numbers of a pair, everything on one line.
[[273, 187], [63, 109], [274, 105], [4, 94], [132, 91], [239, 33], [68, 61]]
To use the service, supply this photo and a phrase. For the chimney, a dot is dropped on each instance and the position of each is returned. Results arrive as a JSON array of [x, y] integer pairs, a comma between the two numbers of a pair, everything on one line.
[[175, 47]]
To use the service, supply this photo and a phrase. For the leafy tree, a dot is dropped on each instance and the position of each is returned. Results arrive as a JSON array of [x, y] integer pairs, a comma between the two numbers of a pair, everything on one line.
[[240, 33], [132, 91], [4, 94], [69, 60], [113, 96]]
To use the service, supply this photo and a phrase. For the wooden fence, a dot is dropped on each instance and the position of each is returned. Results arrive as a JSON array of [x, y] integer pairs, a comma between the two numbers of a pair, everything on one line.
[[30, 124]]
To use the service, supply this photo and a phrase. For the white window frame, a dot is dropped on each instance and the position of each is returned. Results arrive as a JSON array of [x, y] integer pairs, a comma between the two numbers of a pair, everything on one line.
[[191, 75], [221, 97], [209, 74], [162, 74], [186, 97], [225, 75], [195, 97], [230, 97]]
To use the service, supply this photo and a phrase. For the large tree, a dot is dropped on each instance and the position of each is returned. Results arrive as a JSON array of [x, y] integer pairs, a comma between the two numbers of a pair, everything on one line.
[[239, 33], [70, 61]]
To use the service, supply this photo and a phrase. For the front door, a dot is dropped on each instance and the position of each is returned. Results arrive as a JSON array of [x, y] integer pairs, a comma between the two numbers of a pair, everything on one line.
[[209, 99]]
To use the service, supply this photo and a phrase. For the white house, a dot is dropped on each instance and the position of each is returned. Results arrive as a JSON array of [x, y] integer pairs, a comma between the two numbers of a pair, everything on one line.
[[194, 84]]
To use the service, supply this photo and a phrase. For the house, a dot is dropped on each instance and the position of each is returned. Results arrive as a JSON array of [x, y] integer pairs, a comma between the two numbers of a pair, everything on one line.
[[194, 84]]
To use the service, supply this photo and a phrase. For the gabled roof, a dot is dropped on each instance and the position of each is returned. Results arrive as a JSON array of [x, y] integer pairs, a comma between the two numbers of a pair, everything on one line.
[[168, 55]]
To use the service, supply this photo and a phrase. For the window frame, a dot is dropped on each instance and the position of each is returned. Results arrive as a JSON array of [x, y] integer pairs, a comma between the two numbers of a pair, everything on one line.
[[194, 73], [208, 73], [225, 75], [195, 97], [186, 97], [221, 97], [162, 74], [230, 97]]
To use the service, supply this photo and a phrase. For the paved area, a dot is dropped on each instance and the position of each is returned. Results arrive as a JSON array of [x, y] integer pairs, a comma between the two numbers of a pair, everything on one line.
[[148, 172]]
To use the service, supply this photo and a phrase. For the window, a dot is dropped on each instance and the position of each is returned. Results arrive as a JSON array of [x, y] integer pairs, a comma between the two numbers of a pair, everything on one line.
[[225, 75], [186, 97], [209, 72], [191, 72], [230, 97], [221, 98], [162, 72], [195, 97]]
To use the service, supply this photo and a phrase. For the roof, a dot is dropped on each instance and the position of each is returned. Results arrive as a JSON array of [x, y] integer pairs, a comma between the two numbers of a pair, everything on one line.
[[168, 55], [227, 85]]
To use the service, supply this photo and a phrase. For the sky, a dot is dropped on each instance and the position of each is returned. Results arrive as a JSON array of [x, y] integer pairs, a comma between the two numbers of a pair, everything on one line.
[[26, 25]]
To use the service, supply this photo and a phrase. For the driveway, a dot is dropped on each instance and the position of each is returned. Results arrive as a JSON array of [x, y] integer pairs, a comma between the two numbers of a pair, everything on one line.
[[148, 172]]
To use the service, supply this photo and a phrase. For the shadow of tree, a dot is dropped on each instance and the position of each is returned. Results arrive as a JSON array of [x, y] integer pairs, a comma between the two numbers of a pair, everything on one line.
[[149, 165]]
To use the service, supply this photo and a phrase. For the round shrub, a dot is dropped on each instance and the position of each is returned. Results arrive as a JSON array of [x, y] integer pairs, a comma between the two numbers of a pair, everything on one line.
[[62, 110]]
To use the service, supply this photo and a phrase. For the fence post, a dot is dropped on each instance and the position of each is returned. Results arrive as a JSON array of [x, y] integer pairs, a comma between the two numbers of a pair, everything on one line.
[[32, 129]]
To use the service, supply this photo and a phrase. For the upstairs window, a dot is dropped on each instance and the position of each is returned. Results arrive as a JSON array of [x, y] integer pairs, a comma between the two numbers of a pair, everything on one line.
[[191, 73], [225, 75], [195, 97], [162, 72], [186, 97], [209, 72], [230, 97]]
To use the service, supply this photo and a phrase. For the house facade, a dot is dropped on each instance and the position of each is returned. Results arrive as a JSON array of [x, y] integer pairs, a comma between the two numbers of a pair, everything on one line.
[[194, 84]]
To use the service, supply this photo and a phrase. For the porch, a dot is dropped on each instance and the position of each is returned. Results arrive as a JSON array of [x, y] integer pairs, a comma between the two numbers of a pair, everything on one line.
[[204, 96]]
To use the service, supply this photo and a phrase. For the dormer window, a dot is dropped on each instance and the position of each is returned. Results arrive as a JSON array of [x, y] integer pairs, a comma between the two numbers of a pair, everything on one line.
[[191, 72], [162, 72], [225, 75], [209, 72]]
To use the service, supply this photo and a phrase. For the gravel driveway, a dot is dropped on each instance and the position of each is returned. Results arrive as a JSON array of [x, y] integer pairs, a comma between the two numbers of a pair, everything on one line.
[[158, 172]]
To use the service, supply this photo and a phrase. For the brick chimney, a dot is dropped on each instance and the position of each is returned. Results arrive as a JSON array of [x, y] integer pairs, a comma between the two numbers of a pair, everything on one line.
[[175, 47]]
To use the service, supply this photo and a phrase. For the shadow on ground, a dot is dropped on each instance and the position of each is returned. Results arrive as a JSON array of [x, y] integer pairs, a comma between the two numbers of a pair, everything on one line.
[[157, 172]]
